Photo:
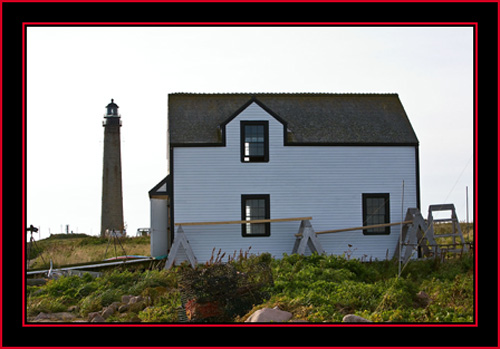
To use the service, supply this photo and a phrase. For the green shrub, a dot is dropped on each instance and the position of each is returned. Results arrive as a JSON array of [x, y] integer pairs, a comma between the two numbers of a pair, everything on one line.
[[220, 292], [315, 288]]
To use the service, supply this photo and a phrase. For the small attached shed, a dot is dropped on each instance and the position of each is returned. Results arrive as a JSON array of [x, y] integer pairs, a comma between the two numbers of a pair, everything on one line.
[[159, 199]]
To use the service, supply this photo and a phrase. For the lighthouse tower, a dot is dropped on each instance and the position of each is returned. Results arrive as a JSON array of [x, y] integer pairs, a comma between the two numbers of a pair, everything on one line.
[[112, 199]]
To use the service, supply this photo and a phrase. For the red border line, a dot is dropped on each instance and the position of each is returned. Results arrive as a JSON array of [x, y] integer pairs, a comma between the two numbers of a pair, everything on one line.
[[254, 1], [242, 24]]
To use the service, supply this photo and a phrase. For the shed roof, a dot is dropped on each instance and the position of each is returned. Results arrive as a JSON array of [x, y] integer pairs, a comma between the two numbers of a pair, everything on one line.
[[311, 118], [162, 189]]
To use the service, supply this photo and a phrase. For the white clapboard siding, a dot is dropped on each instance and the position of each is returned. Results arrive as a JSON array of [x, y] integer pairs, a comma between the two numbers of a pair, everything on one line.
[[325, 182]]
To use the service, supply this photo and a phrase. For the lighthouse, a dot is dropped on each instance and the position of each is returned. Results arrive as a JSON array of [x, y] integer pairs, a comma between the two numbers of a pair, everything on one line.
[[112, 199]]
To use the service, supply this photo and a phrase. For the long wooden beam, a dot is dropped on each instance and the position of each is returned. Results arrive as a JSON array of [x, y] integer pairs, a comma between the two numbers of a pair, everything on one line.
[[360, 228], [274, 220]]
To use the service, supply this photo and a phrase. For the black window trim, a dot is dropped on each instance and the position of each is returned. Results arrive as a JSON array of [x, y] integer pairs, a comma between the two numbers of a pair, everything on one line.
[[387, 216], [264, 123], [267, 198]]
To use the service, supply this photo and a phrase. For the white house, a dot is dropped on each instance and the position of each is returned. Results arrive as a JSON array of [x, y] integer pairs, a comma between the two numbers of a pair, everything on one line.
[[338, 158]]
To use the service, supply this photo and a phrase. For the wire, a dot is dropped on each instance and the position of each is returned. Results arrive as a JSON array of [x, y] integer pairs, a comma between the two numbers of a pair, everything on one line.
[[460, 176]]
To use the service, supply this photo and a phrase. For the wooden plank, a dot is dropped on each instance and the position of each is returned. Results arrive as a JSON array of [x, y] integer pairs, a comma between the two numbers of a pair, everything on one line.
[[274, 220], [441, 207], [446, 235], [361, 228], [444, 220]]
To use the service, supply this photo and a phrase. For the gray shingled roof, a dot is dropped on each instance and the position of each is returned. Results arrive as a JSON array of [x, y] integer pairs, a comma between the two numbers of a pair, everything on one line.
[[311, 118]]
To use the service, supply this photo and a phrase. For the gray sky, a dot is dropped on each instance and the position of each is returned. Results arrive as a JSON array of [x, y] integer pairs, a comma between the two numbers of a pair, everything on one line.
[[73, 72]]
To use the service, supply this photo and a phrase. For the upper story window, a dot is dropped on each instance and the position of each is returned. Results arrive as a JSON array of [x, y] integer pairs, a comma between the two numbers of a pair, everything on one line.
[[254, 141], [376, 211]]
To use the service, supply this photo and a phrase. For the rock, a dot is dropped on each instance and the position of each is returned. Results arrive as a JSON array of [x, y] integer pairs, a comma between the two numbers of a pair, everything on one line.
[[354, 318], [123, 308], [126, 299], [42, 316], [61, 316], [92, 315], [269, 315], [135, 299], [64, 316], [107, 312], [115, 305], [423, 298], [98, 318]]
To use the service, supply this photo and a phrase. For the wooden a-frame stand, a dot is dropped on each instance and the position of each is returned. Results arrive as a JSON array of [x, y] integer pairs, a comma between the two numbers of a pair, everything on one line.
[[306, 237], [181, 241]]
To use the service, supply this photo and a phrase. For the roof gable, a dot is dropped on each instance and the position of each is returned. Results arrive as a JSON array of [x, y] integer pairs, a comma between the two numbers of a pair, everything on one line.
[[311, 119], [253, 99]]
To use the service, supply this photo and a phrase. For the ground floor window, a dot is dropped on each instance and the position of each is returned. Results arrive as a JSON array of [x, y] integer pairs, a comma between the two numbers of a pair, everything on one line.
[[376, 211], [255, 207]]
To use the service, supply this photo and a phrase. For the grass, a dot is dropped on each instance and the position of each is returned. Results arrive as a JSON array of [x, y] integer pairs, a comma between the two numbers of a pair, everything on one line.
[[443, 228], [326, 288], [316, 288], [64, 249]]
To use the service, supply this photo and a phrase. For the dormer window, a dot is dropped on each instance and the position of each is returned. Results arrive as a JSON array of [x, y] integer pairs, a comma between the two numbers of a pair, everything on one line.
[[254, 141]]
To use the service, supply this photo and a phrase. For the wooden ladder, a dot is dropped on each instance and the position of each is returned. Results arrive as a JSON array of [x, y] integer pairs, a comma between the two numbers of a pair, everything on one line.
[[456, 247]]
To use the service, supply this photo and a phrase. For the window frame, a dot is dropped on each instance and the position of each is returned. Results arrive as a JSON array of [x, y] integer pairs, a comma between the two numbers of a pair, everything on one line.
[[387, 214], [267, 199], [254, 159]]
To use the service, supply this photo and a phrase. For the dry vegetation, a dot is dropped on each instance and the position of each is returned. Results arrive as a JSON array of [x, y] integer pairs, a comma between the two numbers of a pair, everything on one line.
[[72, 249]]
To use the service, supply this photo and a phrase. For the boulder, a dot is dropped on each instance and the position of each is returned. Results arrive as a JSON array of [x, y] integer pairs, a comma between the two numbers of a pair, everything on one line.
[[107, 312], [354, 318], [115, 305], [98, 318], [61, 316], [270, 315], [135, 299], [42, 316], [123, 308], [92, 315], [126, 299]]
